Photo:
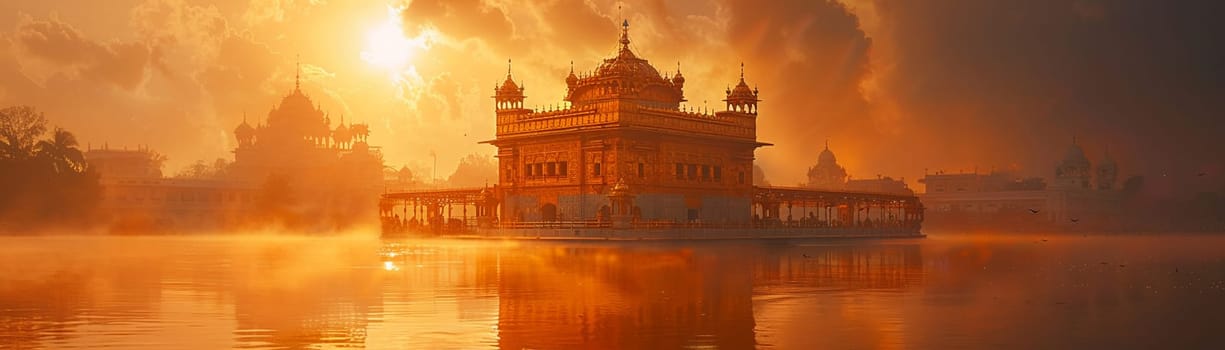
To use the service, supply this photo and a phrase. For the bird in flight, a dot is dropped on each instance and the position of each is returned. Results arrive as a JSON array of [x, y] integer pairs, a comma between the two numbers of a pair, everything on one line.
[[1034, 211], [1202, 174], [1075, 220]]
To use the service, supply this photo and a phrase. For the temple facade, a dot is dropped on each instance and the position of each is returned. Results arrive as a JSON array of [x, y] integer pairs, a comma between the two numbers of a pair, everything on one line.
[[311, 173], [624, 127], [298, 139], [625, 159], [294, 170]]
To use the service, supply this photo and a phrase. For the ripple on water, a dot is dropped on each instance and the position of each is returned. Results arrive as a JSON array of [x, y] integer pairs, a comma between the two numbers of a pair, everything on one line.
[[944, 292]]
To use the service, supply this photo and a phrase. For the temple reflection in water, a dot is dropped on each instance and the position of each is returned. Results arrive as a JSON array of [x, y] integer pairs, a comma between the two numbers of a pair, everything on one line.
[[278, 294], [613, 297]]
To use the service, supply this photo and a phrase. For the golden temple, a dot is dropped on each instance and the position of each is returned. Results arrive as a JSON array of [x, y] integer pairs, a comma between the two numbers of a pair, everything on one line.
[[624, 153]]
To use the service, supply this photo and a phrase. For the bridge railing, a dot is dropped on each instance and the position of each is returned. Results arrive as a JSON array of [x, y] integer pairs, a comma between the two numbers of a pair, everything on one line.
[[556, 224]]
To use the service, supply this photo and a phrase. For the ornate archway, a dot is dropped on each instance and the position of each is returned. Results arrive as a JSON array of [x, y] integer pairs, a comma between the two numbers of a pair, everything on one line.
[[548, 212]]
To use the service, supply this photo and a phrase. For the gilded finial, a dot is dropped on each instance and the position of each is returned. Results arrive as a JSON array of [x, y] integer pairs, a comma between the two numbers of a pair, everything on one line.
[[625, 34], [297, 80], [625, 29], [742, 71]]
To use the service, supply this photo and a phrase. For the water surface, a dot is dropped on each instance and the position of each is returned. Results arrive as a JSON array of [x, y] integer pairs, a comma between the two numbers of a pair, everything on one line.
[[943, 292]]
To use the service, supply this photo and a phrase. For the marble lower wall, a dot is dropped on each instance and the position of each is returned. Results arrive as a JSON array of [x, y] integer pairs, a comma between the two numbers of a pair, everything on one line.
[[651, 207]]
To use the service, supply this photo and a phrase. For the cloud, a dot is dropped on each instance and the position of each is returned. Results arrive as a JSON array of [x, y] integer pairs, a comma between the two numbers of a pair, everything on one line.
[[122, 64], [164, 86], [242, 70], [983, 82], [461, 19], [261, 11], [810, 58], [896, 86]]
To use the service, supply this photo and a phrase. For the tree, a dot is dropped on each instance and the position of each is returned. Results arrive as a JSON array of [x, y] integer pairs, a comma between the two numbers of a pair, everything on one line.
[[42, 183], [405, 175], [474, 170], [20, 127], [202, 170], [62, 152]]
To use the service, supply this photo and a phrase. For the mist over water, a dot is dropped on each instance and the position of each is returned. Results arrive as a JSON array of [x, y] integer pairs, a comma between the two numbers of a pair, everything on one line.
[[947, 291]]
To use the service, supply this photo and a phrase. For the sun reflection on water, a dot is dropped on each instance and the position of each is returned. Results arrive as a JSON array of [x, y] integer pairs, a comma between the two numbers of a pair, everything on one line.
[[326, 293]]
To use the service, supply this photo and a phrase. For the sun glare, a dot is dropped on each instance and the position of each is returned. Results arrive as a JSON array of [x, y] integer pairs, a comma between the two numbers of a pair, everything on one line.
[[387, 47]]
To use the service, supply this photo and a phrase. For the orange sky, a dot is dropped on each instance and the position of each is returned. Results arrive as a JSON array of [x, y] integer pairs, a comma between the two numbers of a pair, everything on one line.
[[884, 81]]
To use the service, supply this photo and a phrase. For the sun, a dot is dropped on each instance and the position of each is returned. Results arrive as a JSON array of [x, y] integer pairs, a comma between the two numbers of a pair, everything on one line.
[[387, 47]]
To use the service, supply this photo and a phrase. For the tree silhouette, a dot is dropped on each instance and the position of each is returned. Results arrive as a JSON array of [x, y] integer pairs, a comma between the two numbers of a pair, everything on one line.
[[202, 170], [62, 152], [474, 170], [20, 127], [42, 183]]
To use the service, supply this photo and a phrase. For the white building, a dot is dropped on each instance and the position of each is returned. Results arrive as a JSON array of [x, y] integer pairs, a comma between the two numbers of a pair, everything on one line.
[[1078, 197]]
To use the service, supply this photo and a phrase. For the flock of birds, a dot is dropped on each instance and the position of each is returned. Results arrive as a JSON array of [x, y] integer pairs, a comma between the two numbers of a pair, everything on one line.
[[1035, 211], [1076, 220]]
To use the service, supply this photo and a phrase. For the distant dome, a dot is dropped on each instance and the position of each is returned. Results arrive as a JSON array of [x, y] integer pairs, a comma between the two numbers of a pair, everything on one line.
[[1073, 171], [295, 118], [827, 157], [1108, 161], [243, 130], [1107, 172], [1075, 155], [296, 102]]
